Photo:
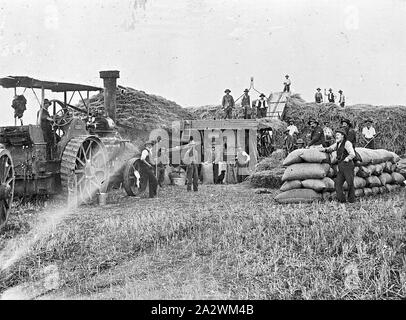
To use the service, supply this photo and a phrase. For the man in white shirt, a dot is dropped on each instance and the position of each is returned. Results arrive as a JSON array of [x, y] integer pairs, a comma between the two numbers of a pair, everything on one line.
[[328, 134], [242, 161], [147, 170], [369, 133], [191, 159], [286, 84], [262, 106], [292, 128]]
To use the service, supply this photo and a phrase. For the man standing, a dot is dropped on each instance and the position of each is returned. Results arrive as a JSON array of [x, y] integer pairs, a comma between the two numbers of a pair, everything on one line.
[[328, 134], [331, 96], [369, 133], [246, 104], [228, 104], [163, 161], [288, 143], [317, 135], [345, 156], [45, 121], [242, 159], [262, 106], [191, 160], [292, 128], [341, 100], [350, 133], [286, 84], [147, 169], [318, 97]]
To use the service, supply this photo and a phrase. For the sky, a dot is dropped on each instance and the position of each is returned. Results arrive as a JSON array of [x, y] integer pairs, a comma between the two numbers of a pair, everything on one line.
[[189, 51]]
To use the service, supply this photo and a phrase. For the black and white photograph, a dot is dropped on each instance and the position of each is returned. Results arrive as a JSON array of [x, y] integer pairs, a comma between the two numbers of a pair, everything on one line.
[[202, 155]]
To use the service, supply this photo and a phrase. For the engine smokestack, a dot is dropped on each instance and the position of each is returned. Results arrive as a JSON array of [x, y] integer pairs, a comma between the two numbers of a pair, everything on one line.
[[110, 85]]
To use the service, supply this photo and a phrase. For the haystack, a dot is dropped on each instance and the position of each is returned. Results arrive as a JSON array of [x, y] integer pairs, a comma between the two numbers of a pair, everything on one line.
[[390, 121]]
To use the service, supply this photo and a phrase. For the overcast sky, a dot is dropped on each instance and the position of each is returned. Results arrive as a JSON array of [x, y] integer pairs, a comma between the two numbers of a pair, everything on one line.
[[189, 51]]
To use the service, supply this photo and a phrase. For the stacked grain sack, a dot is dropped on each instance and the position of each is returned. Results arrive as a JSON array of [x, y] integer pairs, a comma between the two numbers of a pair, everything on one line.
[[310, 175], [307, 176]]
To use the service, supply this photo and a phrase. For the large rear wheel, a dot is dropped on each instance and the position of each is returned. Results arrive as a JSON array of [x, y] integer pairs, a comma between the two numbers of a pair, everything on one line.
[[84, 168], [7, 180]]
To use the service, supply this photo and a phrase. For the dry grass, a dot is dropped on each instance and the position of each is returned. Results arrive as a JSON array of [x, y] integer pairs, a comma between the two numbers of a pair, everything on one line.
[[223, 242]]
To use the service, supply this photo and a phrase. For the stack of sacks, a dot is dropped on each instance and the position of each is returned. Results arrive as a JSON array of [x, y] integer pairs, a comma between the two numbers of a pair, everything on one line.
[[307, 176], [310, 175]]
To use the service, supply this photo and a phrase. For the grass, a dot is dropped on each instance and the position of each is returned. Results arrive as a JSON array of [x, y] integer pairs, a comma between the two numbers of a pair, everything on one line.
[[223, 242]]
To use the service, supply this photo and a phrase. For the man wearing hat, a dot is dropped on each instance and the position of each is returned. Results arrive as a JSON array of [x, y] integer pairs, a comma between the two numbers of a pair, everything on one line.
[[351, 135], [317, 135], [368, 133], [318, 97], [328, 134], [286, 84], [288, 142], [341, 100], [246, 105], [228, 104], [292, 128], [300, 144], [262, 106], [191, 159], [147, 169], [330, 96], [45, 121], [345, 156]]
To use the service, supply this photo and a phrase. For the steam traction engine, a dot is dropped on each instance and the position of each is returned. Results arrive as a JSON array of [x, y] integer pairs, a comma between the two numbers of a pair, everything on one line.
[[84, 153]]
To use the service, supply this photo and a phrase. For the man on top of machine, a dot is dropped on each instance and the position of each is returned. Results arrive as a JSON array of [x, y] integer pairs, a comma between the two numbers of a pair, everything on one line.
[[45, 121]]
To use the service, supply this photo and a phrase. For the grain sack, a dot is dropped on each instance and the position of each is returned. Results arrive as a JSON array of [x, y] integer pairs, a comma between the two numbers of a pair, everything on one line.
[[390, 187], [333, 157], [366, 156], [371, 168], [373, 181], [364, 172], [394, 167], [359, 183], [314, 155], [379, 168], [385, 178], [387, 167], [303, 171], [375, 190], [382, 190], [317, 185], [395, 158], [289, 185], [207, 173], [359, 192], [298, 195], [329, 183], [397, 178], [293, 157], [367, 192], [382, 155]]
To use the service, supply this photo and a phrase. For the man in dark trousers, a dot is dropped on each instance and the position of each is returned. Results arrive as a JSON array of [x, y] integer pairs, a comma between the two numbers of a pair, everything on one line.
[[341, 100], [262, 106], [345, 156], [191, 159], [369, 133], [228, 104], [147, 170], [163, 161], [318, 97], [330, 96], [350, 132], [246, 104], [288, 142], [286, 84], [317, 135]]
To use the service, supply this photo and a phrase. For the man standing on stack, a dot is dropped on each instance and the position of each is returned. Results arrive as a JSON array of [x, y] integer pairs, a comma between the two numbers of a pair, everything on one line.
[[318, 97], [191, 160], [262, 106], [331, 96], [147, 170], [228, 104], [341, 100], [345, 156], [369, 133], [317, 135], [350, 133], [286, 84], [246, 105]]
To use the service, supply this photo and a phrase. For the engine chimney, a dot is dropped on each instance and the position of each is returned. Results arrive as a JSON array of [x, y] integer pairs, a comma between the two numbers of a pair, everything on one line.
[[110, 85]]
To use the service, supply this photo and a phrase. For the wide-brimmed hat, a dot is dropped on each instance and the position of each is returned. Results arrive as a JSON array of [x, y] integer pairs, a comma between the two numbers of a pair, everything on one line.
[[300, 140], [341, 91], [287, 76], [246, 90], [318, 89], [342, 131], [346, 121], [313, 120], [369, 120], [262, 95], [330, 89], [150, 143], [227, 90], [46, 101], [291, 120]]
